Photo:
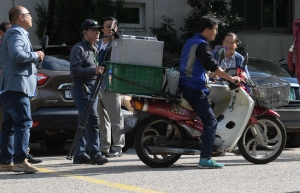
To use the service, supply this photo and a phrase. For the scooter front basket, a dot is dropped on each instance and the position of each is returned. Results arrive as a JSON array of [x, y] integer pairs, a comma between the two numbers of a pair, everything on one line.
[[271, 92]]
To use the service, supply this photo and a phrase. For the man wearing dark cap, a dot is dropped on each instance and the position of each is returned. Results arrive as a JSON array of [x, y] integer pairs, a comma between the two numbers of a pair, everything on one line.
[[84, 67]]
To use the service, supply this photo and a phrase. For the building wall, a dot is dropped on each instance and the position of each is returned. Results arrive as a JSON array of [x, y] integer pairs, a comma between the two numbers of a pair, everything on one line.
[[296, 10], [154, 10], [266, 45], [29, 4], [273, 46]]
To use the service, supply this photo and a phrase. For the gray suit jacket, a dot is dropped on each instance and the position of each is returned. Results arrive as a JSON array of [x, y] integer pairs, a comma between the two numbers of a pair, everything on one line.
[[17, 62]]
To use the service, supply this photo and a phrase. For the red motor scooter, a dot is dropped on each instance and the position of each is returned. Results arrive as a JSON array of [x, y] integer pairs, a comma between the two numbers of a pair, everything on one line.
[[172, 129]]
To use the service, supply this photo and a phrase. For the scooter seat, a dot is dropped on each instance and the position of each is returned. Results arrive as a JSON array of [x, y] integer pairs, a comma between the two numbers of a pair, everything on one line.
[[185, 104]]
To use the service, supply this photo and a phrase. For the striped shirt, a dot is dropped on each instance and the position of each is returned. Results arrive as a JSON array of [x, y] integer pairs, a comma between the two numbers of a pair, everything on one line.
[[228, 63]]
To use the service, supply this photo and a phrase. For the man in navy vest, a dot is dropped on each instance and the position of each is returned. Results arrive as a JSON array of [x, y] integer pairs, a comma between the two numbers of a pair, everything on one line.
[[196, 60]]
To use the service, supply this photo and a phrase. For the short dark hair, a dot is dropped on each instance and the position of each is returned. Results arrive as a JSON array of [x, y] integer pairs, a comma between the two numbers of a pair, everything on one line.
[[104, 19], [14, 12], [234, 36], [3, 26], [208, 21]]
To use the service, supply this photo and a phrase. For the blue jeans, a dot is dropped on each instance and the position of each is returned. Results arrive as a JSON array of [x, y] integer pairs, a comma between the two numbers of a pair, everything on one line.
[[14, 137], [90, 137], [199, 102]]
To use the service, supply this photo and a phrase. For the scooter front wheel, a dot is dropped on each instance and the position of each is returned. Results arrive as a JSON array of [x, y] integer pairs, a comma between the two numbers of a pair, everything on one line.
[[263, 142], [147, 133]]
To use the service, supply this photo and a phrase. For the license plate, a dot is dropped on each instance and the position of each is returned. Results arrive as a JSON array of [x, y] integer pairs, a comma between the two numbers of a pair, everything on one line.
[[68, 94], [292, 94]]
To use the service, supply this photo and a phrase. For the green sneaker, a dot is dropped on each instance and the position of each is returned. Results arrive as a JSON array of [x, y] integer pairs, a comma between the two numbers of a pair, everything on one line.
[[209, 164]]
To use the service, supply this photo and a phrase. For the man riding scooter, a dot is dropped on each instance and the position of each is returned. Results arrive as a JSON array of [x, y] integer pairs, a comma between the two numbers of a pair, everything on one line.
[[196, 60]]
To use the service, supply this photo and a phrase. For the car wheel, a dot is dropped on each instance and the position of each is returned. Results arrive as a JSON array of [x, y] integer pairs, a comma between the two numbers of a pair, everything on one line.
[[55, 145], [293, 140]]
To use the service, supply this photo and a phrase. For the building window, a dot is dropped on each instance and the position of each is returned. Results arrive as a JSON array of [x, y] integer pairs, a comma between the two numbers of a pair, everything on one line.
[[132, 16], [264, 15]]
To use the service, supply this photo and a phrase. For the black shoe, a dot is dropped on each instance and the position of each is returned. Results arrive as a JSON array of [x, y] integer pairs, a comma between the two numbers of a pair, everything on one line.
[[99, 160], [81, 160], [33, 160], [113, 153]]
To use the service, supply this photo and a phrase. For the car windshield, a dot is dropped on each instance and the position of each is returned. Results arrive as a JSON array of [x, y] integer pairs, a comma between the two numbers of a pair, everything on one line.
[[55, 64], [261, 67]]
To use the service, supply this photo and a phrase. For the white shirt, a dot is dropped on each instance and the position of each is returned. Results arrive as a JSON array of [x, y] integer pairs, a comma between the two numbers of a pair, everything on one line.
[[103, 46]]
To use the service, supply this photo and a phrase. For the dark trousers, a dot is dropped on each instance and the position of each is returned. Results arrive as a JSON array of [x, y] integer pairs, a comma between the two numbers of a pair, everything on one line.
[[14, 137], [199, 103], [90, 137]]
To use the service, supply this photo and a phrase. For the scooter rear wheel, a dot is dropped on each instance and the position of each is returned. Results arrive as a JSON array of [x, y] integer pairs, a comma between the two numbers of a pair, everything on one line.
[[146, 134], [275, 136]]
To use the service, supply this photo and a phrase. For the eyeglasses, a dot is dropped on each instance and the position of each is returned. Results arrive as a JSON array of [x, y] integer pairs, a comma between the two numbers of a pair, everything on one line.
[[26, 14]]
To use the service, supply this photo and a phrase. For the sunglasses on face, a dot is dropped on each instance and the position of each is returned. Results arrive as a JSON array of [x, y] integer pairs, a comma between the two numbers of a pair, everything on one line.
[[26, 14]]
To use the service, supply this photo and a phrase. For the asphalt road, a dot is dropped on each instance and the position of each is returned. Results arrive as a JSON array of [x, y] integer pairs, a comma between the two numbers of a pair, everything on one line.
[[129, 174]]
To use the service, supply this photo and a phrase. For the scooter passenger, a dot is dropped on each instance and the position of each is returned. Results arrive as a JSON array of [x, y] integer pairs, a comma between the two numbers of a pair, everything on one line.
[[232, 58]]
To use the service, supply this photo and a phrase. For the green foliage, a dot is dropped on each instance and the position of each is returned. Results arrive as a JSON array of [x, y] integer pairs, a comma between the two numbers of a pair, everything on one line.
[[220, 9], [229, 19], [166, 33], [41, 10], [69, 15]]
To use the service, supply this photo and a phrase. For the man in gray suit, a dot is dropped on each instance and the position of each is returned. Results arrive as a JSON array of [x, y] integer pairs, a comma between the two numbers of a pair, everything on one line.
[[18, 82], [109, 106], [4, 26]]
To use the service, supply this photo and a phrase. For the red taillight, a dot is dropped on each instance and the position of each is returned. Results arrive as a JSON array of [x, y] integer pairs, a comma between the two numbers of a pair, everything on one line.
[[35, 123], [42, 78]]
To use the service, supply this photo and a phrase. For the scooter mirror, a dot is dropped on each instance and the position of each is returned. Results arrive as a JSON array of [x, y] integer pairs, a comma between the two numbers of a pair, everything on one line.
[[231, 71]]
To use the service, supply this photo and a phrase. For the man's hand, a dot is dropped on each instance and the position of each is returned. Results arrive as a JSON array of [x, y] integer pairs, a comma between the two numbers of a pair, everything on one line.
[[41, 55], [99, 69], [212, 75], [236, 80], [233, 79]]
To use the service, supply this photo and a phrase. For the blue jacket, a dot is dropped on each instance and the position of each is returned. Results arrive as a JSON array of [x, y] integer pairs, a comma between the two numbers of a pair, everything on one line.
[[192, 72], [101, 58], [17, 62], [83, 62], [239, 60]]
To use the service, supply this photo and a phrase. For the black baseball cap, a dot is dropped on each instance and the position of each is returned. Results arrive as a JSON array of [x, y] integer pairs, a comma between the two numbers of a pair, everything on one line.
[[90, 24]]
